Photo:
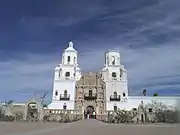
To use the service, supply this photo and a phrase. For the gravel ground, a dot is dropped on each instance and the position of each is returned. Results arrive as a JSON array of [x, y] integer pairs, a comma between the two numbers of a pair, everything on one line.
[[86, 127]]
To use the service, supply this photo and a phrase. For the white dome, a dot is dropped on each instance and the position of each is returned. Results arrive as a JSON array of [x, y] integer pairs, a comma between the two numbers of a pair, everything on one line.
[[70, 48], [57, 68], [104, 69]]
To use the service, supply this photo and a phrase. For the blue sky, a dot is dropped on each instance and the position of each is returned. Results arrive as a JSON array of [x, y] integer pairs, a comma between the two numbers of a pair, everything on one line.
[[33, 34]]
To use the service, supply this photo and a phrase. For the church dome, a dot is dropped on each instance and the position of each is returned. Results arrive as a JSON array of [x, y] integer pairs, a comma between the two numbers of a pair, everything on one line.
[[70, 47], [77, 69], [56, 68], [104, 69]]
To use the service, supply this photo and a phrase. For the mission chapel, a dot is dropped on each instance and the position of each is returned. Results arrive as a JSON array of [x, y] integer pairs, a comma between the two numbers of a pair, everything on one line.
[[103, 91]]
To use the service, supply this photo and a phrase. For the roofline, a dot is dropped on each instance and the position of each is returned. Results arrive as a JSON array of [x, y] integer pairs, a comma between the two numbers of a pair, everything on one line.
[[113, 50]]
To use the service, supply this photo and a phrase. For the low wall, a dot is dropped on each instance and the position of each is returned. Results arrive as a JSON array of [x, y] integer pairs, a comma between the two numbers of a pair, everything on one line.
[[64, 117]]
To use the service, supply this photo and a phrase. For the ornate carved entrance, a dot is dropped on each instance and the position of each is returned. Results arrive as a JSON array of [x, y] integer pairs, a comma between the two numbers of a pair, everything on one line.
[[89, 111]]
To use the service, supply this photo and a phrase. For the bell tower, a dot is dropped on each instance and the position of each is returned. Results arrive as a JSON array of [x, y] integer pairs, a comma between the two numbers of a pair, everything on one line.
[[112, 58], [65, 76], [69, 56], [115, 76]]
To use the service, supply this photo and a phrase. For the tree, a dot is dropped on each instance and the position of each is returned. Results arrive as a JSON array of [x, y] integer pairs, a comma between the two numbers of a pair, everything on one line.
[[1, 112], [19, 115], [155, 94], [162, 112], [44, 105], [144, 92]]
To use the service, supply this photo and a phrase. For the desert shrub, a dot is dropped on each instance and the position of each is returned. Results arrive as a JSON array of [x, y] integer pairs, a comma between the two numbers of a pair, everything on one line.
[[164, 113], [46, 118], [2, 115], [8, 118], [19, 116], [123, 116], [66, 118]]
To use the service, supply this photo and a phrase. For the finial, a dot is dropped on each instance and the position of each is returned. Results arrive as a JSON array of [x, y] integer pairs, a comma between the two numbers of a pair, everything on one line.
[[71, 44]]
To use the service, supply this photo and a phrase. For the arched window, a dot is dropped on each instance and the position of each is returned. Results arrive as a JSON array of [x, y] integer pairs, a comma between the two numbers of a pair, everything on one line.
[[115, 94], [65, 93], [90, 92], [113, 74], [56, 93], [124, 94], [63, 59], [60, 72], [113, 60], [64, 106], [68, 58], [115, 107], [67, 74], [74, 60]]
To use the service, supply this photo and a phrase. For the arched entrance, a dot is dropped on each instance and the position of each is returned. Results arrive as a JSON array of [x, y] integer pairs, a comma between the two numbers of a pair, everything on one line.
[[32, 111], [90, 112]]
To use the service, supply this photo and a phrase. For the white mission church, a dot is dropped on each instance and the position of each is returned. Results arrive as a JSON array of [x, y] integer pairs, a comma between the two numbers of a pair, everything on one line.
[[114, 94]]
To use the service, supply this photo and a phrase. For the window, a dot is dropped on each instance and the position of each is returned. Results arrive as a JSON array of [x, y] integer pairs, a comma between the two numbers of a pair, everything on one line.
[[65, 93], [69, 58], [56, 93], [60, 72], [63, 59], [64, 106], [124, 94], [149, 109], [115, 108], [113, 60], [113, 74], [90, 92], [121, 72], [67, 74], [115, 94], [74, 60]]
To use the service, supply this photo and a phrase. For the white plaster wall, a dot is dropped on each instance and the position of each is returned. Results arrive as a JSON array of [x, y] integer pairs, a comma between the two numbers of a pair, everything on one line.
[[59, 105], [78, 74], [117, 70], [63, 71], [134, 101], [118, 86], [62, 85], [109, 56], [72, 54]]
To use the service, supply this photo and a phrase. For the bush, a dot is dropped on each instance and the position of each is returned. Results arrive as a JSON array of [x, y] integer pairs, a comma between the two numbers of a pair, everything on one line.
[[123, 116], [66, 119], [19, 116], [46, 118], [8, 118]]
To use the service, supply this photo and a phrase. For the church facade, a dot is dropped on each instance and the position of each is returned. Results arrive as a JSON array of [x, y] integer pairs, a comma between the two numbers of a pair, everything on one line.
[[104, 91], [90, 93]]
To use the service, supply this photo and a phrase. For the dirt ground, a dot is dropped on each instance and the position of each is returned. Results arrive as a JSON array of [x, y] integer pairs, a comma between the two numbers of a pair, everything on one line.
[[86, 127]]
